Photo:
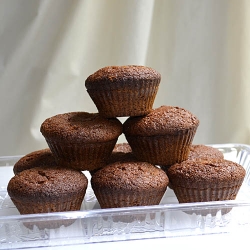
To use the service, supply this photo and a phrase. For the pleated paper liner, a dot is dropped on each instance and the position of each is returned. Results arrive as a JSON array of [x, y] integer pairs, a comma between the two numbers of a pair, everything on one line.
[[134, 101], [162, 149], [116, 199], [192, 195], [36, 207], [80, 156]]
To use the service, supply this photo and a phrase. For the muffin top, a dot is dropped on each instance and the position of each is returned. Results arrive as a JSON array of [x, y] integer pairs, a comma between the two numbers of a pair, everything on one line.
[[43, 157], [205, 173], [130, 176], [81, 127], [204, 151], [110, 76], [162, 120], [46, 183]]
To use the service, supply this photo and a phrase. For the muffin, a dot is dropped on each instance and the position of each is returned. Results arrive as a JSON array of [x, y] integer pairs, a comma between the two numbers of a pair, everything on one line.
[[121, 152], [200, 151], [45, 190], [203, 180], [123, 90], [163, 137], [81, 140], [203, 151], [122, 148], [43, 157], [126, 184]]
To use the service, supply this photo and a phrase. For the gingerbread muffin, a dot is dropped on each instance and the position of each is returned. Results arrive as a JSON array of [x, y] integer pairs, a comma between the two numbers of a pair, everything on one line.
[[203, 180], [204, 151], [199, 152], [45, 190], [163, 137], [122, 148], [125, 184], [123, 90], [38, 158], [121, 152], [81, 140]]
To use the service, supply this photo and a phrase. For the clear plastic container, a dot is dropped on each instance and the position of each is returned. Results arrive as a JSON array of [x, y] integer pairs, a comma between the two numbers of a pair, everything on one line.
[[92, 224]]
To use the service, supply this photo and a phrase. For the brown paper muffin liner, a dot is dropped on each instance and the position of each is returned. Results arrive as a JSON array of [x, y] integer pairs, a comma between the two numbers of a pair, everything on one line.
[[135, 101], [80, 156], [114, 198], [186, 195], [29, 207], [35, 207], [163, 149]]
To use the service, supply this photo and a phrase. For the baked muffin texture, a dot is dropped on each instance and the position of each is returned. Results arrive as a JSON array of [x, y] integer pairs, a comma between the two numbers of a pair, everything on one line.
[[81, 140], [44, 190], [162, 137], [121, 152], [125, 184], [203, 180], [200, 151], [123, 147], [38, 158], [123, 90]]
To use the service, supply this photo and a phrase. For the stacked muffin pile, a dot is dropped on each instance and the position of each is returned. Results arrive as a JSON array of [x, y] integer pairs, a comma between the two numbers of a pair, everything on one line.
[[122, 174]]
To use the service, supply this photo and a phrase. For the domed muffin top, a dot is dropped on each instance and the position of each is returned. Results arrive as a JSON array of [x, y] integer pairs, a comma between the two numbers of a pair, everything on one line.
[[134, 176], [81, 127], [203, 151], [110, 76], [162, 120], [206, 173], [46, 183], [38, 158]]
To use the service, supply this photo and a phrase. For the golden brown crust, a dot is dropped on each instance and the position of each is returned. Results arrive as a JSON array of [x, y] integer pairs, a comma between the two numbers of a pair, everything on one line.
[[81, 127], [38, 158], [113, 77], [47, 184], [161, 121]]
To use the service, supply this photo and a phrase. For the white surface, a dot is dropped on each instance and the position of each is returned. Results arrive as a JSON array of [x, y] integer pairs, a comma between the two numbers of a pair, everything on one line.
[[204, 242]]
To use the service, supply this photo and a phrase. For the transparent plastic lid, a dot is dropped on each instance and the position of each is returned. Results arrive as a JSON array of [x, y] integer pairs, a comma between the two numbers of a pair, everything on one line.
[[92, 224]]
